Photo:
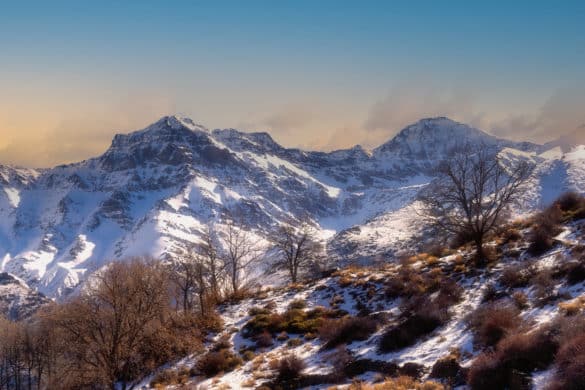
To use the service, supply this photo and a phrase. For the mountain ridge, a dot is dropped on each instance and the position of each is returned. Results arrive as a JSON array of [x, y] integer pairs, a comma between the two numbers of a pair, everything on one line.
[[154, 190]]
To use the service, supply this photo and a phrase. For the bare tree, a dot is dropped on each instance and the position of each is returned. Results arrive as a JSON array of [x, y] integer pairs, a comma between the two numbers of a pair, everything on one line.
[[296, 249], [107, 327], [198, 272], [208, 250], [241, 251], [186, 274], [472, 193]]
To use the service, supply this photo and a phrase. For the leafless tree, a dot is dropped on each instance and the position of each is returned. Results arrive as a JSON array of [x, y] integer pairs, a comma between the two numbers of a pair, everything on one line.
[[107, 326], [198, 272], [296, 249], [26, 354], [241, 250], [472, 193], [208, 250], [186, 275]]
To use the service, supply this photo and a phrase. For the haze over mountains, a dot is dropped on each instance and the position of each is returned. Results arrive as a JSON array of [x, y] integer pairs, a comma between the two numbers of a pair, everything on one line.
[[154, 191]]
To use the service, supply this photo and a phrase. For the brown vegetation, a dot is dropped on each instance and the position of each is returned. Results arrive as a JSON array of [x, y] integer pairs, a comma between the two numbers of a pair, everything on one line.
[[492, 321], [120, 328], [335, 332]]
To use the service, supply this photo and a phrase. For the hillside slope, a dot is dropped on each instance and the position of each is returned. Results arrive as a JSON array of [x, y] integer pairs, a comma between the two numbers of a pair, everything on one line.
[[431, 316]]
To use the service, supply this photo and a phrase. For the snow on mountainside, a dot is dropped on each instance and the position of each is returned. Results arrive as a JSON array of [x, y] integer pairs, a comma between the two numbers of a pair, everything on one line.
[[370, 337], [153, 191]]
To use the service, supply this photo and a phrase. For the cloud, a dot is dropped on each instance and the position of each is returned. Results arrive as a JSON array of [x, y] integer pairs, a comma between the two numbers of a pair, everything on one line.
[[293, 118], [84, 134], [407, 103], [56, 136], [561, 114], [293, 125]]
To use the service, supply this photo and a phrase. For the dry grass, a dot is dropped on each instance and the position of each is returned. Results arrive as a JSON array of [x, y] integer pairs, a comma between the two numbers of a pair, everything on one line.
[[572, 307], [400, 383]]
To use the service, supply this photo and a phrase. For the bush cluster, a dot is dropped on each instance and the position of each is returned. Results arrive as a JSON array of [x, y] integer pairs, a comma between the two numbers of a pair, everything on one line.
[[421, 317], [215, 362], [292, 321], [335, 332], [517, 275], [545, 227], [514, 359], [516, 356], [492, 321]]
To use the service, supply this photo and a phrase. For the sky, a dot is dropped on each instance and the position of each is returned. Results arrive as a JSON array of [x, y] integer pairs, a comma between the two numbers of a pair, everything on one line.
[[318, 75]]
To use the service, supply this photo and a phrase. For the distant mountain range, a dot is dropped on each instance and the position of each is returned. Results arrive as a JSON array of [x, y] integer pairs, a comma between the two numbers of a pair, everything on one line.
[[153, 191]]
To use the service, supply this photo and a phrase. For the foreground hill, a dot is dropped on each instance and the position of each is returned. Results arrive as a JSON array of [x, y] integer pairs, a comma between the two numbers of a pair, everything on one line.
[[154, 191], [431, 317]]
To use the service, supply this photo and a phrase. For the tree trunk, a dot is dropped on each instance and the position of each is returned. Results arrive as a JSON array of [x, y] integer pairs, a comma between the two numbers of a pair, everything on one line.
[[185, 300], [202, 303], [480, 257]]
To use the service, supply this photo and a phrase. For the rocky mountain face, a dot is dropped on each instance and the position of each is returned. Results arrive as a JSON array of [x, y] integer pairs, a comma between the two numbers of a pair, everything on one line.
[[154, 190], [17, 299]]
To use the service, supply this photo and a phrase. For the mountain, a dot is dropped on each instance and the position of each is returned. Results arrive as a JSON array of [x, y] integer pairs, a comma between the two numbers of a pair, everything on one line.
[[154, 190]]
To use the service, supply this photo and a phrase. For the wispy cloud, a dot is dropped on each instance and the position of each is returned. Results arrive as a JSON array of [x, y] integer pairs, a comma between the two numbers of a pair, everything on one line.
[[562, 113]]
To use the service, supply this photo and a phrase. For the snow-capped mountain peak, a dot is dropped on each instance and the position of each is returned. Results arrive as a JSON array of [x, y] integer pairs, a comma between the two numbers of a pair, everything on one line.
[[153, 191]]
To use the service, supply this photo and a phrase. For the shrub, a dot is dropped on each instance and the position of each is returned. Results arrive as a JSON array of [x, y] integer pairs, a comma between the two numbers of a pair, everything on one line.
[[297, 304], [410, 282], [399, 383], [450, 293], [410, 369], [359, 366], [254, 311], [541, 241], [515, 358], [447, 368], [485, 373], [491, 322], [491, 293], [511, 235], [223, 343], [212, 363], [264, 340], [575, 271], [248, 355], [572, 307], [570, 202], [528, 352], [427, 317], [570, 364], [517, 275], [294, 342], [546, 227], [289, 368], [544, 284], [297, 321], [407, 282], [344, 281], [520, 300], [282, 336], [345, 330], [165, 377]]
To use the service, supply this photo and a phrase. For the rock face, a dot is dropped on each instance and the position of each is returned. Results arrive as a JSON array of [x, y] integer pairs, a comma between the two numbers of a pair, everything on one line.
[[153, 191], [17, 300]]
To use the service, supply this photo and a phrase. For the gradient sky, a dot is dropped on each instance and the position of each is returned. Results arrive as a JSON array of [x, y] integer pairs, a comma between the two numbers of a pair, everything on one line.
[[316, 74]]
